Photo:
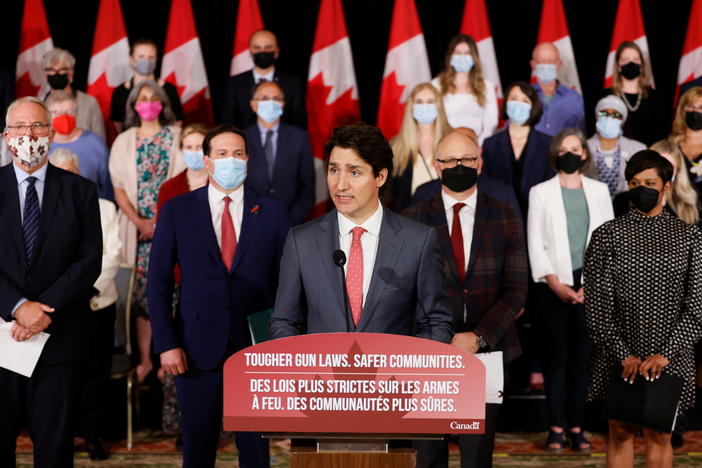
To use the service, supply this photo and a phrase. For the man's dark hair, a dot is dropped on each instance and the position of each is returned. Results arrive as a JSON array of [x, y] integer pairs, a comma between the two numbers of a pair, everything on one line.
[[366, 140], [218, 130], [649, 159], [142, 41], [536, 107]]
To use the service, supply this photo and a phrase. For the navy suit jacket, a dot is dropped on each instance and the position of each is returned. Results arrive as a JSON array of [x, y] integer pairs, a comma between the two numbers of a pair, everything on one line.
[[236, 107], [495, 189], [213, 303], [293, 171], [498, 157], [66, 261], [406, 288]]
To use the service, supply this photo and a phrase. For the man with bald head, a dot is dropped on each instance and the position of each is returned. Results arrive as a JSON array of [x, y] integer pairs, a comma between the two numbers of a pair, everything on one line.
[[485, 270], [50, 257], [280, 155], [562, 106], [263, 46]]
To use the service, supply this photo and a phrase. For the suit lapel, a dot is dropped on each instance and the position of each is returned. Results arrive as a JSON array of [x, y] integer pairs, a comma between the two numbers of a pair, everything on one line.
[[203, 219], [389, 248], [482, 213], [9, 193], [328, 242], [52, 187], [249, 220], [506, 149], [278, 166], [258, 168], [438, 220]]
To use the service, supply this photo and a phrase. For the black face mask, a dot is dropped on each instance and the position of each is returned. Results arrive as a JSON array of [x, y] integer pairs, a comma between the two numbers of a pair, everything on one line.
[[58, 81], [693, 120], [644, 198], [569, 162], [459, 178], [630, 70], [264, 59]]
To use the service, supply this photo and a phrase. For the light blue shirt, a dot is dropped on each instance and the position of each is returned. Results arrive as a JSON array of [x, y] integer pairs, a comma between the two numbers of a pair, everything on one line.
[[565, 109], [22, 185], [264, 131]]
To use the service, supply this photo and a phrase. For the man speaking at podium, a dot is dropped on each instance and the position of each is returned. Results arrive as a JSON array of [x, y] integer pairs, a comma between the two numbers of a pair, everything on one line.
[[393, 267]]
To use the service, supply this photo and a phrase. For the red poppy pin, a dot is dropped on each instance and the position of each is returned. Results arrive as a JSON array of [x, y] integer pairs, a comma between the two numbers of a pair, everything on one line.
[[254, 210]]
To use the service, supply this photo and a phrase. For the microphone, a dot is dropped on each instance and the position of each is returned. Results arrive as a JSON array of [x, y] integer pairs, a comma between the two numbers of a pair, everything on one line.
[[339, 258]]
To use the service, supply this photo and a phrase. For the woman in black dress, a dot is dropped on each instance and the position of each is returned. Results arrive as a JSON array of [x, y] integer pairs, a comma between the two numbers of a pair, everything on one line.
[[643, 299]]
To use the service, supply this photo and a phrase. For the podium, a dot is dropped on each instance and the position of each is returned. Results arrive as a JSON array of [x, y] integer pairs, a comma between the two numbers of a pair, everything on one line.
[[348, 395]]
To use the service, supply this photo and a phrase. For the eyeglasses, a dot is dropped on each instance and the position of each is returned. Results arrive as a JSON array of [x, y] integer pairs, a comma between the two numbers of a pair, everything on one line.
[[67, 111], [453, 162], [691, 108], [36, 128], [57, 71], [267, 98], [613, 114]]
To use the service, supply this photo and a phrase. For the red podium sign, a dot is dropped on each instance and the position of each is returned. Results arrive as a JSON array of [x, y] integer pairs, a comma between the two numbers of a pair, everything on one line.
[[347, 383]]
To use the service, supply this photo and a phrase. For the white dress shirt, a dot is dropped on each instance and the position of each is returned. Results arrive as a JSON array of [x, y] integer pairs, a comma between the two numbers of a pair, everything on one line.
[[369, 243], [268, 76], [467, 217], [236, 210]]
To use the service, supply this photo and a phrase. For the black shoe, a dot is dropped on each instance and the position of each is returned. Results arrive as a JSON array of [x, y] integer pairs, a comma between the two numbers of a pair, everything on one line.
[[95, 449]]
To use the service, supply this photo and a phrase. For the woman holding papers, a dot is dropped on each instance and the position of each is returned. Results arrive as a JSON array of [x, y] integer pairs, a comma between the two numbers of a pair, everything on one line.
[[643, 299]]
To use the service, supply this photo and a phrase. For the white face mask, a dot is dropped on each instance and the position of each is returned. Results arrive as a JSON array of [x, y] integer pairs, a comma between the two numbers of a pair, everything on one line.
[[29, 149]]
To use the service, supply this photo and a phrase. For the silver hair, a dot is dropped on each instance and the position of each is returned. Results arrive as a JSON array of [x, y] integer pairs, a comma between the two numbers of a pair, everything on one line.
[[64, 157], [132, 119], [25, 100], [57, 55]]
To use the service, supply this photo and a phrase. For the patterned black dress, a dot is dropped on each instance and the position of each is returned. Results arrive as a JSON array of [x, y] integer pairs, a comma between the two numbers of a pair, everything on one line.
[[643, 296]]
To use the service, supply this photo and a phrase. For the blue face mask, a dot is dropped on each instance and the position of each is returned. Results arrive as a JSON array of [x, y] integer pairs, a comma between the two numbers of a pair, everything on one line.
[[518, 111], [193, 159], [229, 173], [462, 63], [609, 127], [546, 72], [424, 113], [269, 111]]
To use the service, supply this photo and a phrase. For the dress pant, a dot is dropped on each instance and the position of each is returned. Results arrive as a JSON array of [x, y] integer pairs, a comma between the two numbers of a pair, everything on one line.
[[49, 401], [476, 449], [101, 324], [566, 356], [200, 402]]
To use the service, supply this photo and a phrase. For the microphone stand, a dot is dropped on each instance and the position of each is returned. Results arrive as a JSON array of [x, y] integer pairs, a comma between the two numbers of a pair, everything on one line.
[[340, 261]]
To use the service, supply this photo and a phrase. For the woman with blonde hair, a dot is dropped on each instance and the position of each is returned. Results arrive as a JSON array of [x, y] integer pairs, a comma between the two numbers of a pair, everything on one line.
[[469, 99], [423, 126], [687, 134], [682, 199], [631, 82]]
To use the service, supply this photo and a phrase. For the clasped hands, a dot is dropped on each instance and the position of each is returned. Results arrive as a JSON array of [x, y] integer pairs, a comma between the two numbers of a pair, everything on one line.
[[650, 369], [30, 318]]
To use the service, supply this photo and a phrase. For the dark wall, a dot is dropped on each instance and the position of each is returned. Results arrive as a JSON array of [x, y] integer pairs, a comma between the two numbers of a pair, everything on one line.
[[514, 26]]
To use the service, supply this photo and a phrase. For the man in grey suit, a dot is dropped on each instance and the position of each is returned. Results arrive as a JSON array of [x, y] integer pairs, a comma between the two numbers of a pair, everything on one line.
[[393, 268]]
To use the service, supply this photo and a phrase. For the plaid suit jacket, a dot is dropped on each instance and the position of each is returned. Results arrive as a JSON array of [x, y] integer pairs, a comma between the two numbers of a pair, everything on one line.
[[495, 285]]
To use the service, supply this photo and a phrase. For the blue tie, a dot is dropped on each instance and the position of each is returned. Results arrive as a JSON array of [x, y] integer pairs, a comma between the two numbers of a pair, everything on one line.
[[270, 156], [30, 225]]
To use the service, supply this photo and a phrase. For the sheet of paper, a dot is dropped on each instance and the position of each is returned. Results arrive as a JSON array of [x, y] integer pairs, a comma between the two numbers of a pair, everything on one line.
[[494, 376], [20, 356]]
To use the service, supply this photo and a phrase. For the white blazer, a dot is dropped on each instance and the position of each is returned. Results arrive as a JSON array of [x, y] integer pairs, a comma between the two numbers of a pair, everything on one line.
[[547, 226]]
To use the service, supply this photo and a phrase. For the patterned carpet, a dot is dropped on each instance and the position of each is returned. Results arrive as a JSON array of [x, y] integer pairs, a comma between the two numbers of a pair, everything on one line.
[[511, 449]]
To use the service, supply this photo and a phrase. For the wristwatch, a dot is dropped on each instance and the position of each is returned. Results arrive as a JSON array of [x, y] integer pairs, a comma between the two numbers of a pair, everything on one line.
[[481, 342]]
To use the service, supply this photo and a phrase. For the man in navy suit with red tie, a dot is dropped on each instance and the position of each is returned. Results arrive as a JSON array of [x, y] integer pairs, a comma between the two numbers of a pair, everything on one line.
[[227, 240]]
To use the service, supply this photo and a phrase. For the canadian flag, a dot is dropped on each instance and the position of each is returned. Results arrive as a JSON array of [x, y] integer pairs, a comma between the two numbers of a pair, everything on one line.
[[691, 60], [183, 65], [248, 21], [109, 64], [406, 66], [628, 26], [477, 25], [35, 41], [332, 95], [554, 29]]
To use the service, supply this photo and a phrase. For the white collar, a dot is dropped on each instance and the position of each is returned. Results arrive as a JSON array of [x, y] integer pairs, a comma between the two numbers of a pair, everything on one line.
[[214, 195], [21, 174], [449, 201], [371, 225], [267, 77]]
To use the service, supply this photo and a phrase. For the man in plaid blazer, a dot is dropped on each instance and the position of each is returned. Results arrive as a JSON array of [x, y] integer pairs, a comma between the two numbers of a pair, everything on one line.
[[485, 267]]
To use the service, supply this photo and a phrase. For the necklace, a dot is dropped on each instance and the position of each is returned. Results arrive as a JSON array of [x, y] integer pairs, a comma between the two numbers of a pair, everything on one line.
[[426, 166], [631, 108]]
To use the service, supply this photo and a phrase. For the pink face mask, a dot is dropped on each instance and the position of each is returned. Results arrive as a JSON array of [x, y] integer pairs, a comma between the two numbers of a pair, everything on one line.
[[148, 110]]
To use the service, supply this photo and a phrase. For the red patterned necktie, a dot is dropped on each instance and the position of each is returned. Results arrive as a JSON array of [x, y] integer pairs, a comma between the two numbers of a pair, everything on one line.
[[228, 235], [457, 242], [354, 274]]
